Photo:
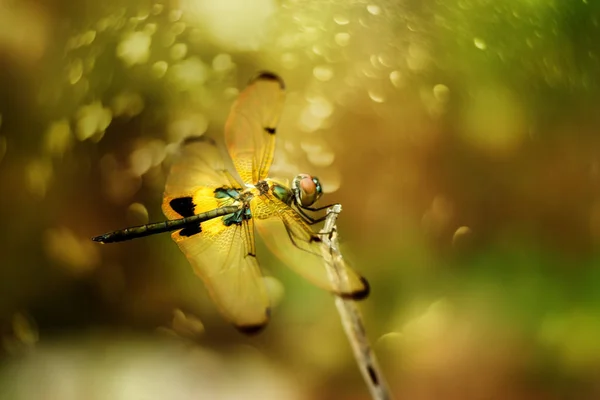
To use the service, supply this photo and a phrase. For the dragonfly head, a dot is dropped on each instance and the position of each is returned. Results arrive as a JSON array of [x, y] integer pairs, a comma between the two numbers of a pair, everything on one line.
[[307, 189]]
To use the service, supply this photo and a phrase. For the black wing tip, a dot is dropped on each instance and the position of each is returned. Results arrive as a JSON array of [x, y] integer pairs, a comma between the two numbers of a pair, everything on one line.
[[268, 76], [360, 295], [252, 330]]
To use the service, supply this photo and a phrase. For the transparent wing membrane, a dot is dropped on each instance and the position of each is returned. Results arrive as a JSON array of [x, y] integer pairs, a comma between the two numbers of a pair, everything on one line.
[[251, 127], [288, 237], [195, 174], [221, 254], [222, 257]]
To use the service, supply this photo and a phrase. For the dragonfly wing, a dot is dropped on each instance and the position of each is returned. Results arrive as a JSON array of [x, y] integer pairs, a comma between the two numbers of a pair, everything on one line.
[[292, 240], [251, 126], [221, 254], [195, 174], [224, 258]]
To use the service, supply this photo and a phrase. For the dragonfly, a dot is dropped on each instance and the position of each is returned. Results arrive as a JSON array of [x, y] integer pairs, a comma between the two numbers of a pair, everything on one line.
[[213, 216]]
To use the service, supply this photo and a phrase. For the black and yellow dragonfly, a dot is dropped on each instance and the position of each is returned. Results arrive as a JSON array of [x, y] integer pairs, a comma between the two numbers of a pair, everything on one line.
[[213, 216]]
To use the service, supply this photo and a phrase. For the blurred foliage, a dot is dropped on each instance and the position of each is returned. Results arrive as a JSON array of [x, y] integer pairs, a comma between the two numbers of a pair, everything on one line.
[[460, 137]]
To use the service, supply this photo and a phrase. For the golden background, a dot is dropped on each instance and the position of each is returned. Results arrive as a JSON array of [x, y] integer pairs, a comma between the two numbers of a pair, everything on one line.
[[460, 136]]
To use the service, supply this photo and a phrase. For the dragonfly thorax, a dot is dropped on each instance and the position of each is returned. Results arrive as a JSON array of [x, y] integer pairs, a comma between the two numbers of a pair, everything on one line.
[[263, 187], [279, 190]]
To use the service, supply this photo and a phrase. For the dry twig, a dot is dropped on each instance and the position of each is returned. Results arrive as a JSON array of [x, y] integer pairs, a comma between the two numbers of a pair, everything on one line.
[[349, 313]]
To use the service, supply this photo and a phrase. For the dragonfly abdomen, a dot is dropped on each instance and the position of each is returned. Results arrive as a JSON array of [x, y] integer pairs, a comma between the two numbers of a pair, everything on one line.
[[164, 226]]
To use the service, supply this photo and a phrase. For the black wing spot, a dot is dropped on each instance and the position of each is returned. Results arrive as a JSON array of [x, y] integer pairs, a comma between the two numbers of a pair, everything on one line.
[[190, 231], [267, 76], [183, 206], [270, 131]]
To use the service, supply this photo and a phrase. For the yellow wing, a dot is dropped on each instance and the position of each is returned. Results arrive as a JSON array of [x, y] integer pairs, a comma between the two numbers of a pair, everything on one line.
[[251, 126], [198, 164], [222, 255], [292, 240]]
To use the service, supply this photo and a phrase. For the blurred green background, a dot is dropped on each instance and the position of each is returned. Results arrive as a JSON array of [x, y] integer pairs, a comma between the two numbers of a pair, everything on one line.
[[460, 136]]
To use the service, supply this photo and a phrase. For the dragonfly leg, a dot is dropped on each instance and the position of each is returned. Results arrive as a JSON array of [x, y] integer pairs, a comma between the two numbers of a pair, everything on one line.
[[310, 220], [328, 233], [292, 239], [318, 208]]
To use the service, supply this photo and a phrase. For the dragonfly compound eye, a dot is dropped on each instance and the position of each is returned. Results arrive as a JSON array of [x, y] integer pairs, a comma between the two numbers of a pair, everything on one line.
[[306, 189], [317, 183]]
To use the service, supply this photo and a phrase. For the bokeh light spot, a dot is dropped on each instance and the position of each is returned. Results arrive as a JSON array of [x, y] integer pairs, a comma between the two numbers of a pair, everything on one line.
[[134, 48], [320, 107], [341, 19], [441, 93], [140, 160], [376, 95], [309, 122], [289, 60], [342, 38], [159, 69], [58, 138], [149, 29], [186, 325], [187, 125], [418, 57], [92, 119], [175, 15], [462, 237], [397, 79], [76, 255], [479, 43], [157, 9], [222, 62], [323, 73], [189, 73], [127, 104], [374, 9], [178, 51], [75, 71], [38, 174], [232, 24], [137, 214], [88, 37], [321, 158], [275, 290], [178, 28]]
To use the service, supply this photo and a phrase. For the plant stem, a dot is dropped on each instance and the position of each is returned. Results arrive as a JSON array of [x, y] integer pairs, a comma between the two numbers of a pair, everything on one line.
[[349, 312]]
